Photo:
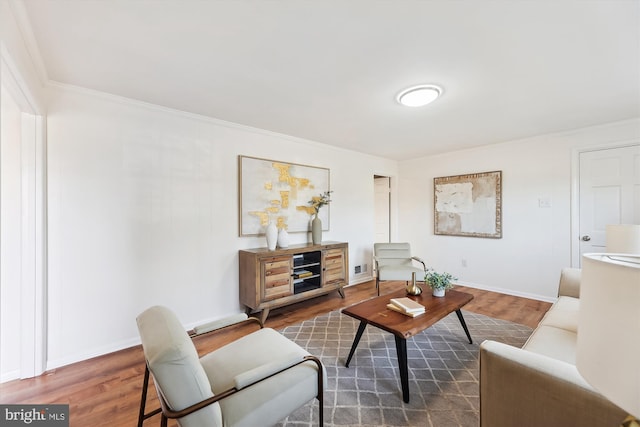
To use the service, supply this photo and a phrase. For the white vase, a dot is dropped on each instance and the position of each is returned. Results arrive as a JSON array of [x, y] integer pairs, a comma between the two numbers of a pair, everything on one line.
[[438, 292], [283, 238], [272, 236], [316, 230]]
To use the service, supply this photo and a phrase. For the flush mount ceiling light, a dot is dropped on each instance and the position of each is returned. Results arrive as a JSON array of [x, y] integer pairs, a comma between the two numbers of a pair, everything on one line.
[[418, 96]]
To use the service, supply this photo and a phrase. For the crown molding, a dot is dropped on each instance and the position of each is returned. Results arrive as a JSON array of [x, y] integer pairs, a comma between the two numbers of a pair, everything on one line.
[[52, 84], [24, 25]]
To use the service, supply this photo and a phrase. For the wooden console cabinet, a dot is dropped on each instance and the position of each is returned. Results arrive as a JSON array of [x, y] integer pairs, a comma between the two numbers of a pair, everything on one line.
[[270, 279]]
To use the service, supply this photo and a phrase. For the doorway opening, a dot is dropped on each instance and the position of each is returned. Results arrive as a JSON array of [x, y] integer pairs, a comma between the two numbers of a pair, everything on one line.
[[382, 209]]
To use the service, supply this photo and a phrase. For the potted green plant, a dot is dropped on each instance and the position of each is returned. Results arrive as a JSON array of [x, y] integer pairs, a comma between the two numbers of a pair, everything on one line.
[[438, 282]]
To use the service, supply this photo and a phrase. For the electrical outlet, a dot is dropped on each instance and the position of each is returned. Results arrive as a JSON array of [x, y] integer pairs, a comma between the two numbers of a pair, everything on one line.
[[464, 262], [364, 268], [544, 202], [358, 269]]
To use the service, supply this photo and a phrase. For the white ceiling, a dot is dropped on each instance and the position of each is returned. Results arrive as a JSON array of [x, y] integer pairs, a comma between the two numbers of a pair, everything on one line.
[[329, 70]]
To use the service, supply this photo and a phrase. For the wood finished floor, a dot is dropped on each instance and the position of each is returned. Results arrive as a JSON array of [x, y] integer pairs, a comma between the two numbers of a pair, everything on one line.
[[106, 390]]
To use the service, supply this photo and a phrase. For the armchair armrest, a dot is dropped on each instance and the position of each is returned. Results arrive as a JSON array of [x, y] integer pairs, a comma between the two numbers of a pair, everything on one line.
[[421, 261], [519, 387], [248, 379], [264, 371], [233, 320]]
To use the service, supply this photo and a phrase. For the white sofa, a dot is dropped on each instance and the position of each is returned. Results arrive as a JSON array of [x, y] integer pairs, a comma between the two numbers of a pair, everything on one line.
[[539, 384]]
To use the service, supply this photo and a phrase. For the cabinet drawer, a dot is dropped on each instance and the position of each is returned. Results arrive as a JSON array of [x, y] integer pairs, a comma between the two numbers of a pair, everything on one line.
[[277, 278], [333, 258], [334, 266], [333, 275], [277, 292], [276, 272]]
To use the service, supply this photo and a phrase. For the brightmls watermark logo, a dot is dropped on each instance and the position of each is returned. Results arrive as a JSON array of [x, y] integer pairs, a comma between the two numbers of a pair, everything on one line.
[[34, 415]]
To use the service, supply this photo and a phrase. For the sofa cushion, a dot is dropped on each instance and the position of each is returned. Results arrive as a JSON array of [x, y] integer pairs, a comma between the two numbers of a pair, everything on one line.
[[563, 314], [554, 342]]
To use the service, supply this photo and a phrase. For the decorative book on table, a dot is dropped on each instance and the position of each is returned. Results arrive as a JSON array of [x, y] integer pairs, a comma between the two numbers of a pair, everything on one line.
[[399, 310], [406, 306]]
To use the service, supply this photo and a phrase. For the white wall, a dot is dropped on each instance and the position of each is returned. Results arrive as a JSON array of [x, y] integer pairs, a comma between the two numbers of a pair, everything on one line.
[[536, 241], [143, 210]]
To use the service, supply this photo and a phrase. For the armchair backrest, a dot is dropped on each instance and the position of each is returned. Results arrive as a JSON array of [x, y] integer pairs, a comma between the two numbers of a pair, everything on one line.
[[392, 253], [174, 363]]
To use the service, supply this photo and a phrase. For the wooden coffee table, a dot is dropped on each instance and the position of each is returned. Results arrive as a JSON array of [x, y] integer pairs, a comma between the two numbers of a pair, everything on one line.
[[375, 312]]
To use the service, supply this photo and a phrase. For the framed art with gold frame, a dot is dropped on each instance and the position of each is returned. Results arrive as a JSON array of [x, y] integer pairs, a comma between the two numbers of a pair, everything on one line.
[[271, 190], [468, 205]]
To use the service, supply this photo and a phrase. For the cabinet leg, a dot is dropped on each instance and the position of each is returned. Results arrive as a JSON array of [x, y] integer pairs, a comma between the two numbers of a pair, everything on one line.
[[263, 315], [341, 292]]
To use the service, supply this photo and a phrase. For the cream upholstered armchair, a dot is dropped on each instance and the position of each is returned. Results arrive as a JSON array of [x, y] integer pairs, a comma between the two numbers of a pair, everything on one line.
[[256, 380], [394, 262]]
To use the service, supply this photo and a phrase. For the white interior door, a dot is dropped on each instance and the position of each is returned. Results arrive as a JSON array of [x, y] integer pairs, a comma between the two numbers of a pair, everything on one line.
[[381, 209], [609, 192]]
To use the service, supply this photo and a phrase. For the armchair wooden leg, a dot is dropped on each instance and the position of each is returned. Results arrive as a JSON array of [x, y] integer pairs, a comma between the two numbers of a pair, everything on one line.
[[320, 395], [321, 409], [143, 399]]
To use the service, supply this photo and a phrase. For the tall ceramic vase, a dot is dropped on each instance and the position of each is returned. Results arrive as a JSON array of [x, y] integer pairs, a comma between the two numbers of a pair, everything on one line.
[[272, 236], [316, 230], [283, 238]]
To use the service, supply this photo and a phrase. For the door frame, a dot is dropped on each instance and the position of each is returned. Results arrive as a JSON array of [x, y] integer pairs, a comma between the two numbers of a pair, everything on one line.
[[33, 239], [575, 191]]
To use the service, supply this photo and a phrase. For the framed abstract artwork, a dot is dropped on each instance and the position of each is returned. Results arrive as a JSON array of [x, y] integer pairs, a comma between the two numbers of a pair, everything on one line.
[[278, 192], [468, 205]]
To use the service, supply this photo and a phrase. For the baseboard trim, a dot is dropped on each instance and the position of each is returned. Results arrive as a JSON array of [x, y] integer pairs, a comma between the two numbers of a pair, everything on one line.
[[10, 376], [80, 357], [527, 295], [358, 280]]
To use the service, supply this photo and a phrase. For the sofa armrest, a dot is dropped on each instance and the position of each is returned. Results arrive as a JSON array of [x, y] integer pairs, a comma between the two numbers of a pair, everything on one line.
[[519, 387], [570, 282]]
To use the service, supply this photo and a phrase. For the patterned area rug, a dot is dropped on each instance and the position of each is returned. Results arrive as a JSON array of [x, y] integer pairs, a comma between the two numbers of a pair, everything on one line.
[[443, 372]]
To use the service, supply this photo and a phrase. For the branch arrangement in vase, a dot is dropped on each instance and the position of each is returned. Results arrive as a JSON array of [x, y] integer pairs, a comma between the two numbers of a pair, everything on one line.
[[317, 202]]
